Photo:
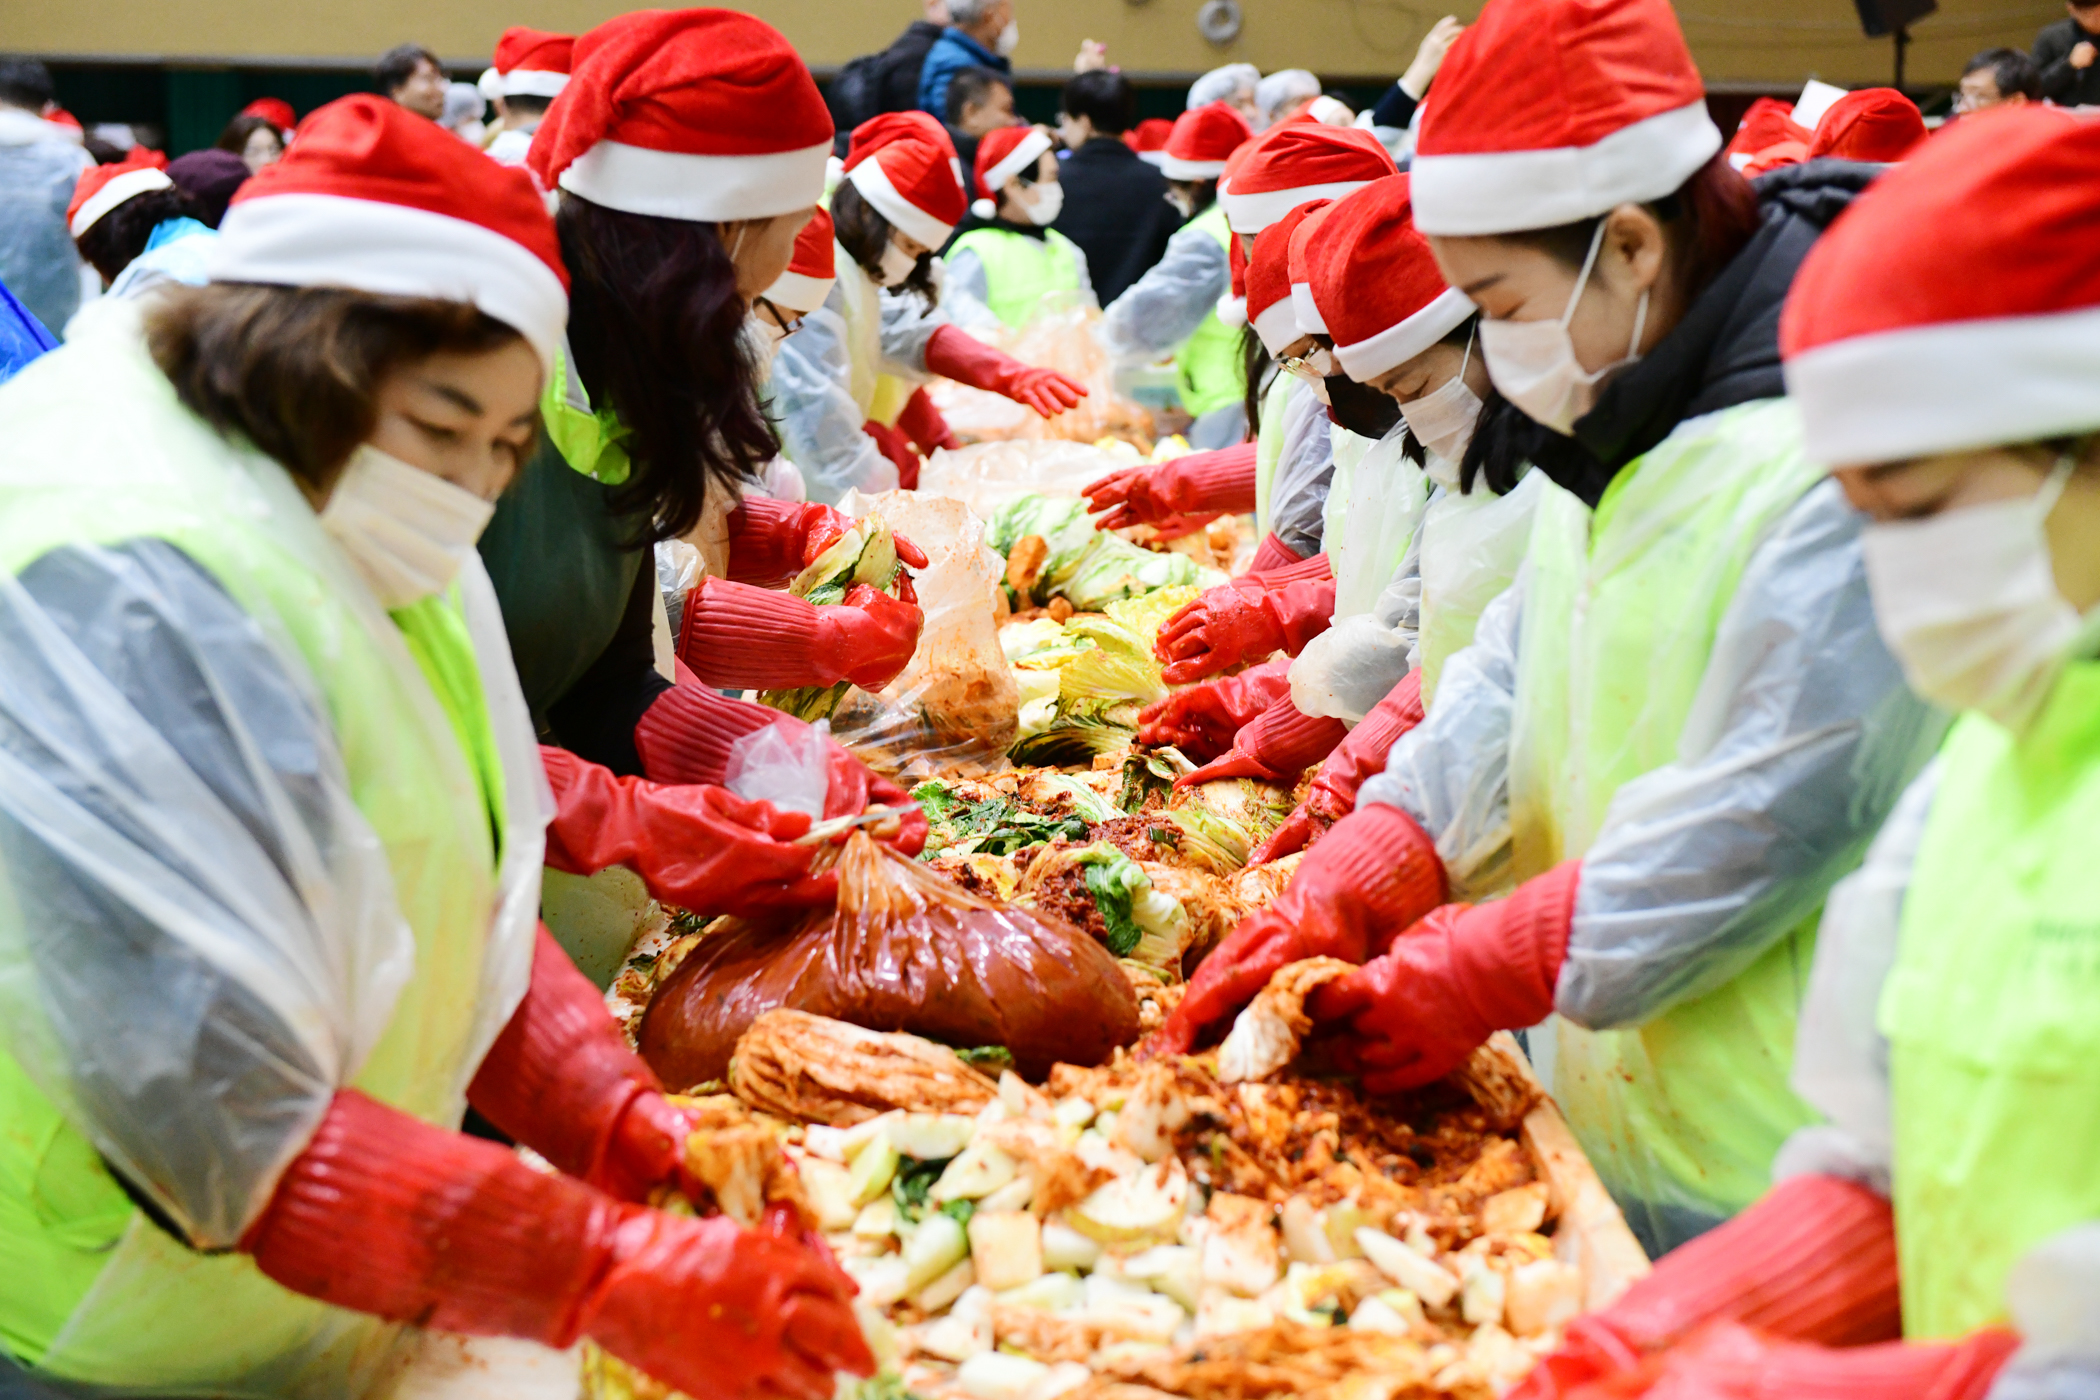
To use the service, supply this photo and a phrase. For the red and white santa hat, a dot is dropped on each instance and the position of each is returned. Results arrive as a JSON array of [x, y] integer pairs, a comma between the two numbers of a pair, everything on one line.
[[1149, 139], [1269, 308], [1001, 155], [1376, 283], [1289, 164], [810, 271], [377, 199], [1304, 310], [1202, 141], [702, 115], [1872, 124], [1607, 110], [101, 188], [904, 164], [530, 63], [1956, 304]]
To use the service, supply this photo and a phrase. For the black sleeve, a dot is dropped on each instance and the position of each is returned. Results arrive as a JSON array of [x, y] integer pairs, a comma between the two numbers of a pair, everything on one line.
[[1396, 108], [595, 720], [2054, 75]]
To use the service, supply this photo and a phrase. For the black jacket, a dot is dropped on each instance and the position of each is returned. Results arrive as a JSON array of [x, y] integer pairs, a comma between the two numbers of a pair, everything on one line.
[[904, 59], [1116, 210], [2060, 82], [1724, 352]]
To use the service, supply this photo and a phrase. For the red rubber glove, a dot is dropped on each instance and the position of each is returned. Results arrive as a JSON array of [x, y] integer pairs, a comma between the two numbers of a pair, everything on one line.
[[1447, 984], [1276, 747], [1272, 554], [772, 541], [1332, 795], [695, 847], [1374, 875], [1199, 486], [957, 355], [893, 445], [1247, 619], [1730, 1362], [387, 1215], [561, 1080], [686, 735], [736, 637], [922, 424], [1813, 1261], [1203, 720]]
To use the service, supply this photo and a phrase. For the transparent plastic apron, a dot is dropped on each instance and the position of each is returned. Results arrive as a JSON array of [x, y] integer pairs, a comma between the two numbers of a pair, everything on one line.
[[1472, 547], [1268, 445], [880, 396]]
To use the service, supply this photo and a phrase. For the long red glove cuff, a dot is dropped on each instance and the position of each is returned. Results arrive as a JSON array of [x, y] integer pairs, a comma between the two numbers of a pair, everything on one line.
[[385, 1214], [736, 637], [1273, 553], [1380, 868], [1813, 1261], [562, 1080], [1506, 955], [893, 445], [1312, 569], [1279, 745], [956, 354], [765, 541], [686, 735], [1362, 755], [923, 424], [1734, 1361], [1211, 482]]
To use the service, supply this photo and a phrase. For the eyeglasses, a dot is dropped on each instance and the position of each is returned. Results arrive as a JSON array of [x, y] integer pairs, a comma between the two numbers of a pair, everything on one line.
[[786, 324], [1317, 364]]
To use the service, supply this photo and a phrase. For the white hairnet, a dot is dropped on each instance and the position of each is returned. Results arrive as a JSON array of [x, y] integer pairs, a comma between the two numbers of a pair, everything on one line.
[[1281, 90], [1234, 82]]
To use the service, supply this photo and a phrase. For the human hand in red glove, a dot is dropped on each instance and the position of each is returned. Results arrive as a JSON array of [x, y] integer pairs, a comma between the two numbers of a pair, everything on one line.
[[687, 734], [1185, 492], [922, 423], [772, 541], [696, 847], [1452, 980], [736, 637], [957, 355], [1373, 876], [1361, 755], [1276, 747], [387, 1215], [1814, 1260], [1246, 620], [1203, 720], [1727, 1361]]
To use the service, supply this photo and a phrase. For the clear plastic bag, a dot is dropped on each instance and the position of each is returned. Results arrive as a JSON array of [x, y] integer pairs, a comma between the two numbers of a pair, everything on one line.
[[790, 770], [1063, 341], [988, 475]]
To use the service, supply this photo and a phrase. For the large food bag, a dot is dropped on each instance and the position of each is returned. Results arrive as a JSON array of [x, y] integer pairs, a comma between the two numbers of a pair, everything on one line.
[[904, 951]]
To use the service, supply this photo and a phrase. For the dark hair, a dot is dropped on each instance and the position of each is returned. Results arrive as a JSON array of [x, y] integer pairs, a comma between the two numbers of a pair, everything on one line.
[[656, 334], [526, 104], [235, 137], [1106, 99], [399, 63], [1255, 364], [1496, 448], [112, 241], [104, 152], [294, 369], [25, 83], [2014, 72], [972, 84], [1202, 193], [862, 231]]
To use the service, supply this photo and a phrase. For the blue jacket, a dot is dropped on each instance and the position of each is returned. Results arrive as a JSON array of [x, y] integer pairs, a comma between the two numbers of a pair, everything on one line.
[[951, 53]]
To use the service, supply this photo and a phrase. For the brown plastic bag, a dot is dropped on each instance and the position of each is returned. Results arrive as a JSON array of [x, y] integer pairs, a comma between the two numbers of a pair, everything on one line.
[[904, 951]]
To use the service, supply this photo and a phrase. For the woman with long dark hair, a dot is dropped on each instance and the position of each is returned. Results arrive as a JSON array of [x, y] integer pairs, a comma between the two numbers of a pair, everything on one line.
[[688, 148]]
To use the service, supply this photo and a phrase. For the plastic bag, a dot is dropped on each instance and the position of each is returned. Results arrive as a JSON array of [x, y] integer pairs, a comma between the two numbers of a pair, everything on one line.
[[904, 951], [988, 475], [1065, 342], [791, 771]]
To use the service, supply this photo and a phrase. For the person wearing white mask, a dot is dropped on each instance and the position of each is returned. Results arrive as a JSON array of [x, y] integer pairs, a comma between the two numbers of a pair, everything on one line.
[[273, 829], [1679, 727], [849, 385], [1008, 265], [1948, 1035]]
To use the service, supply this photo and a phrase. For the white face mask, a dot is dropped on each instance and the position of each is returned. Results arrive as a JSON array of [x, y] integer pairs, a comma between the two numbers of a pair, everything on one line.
[[1009, 39], [1442, 421], [1533, 362], [896, 265], [1968, 603], [1048, 204], [408, 532]]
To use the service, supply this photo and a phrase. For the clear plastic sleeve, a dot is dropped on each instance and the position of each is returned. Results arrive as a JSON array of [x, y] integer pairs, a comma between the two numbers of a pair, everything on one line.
[[820, 422]]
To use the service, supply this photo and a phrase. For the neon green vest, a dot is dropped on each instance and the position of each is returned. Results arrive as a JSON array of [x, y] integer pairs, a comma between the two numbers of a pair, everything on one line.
[[1268, 445], [1209, 368], [93, 1291], [1021, 272], [1992, 1010], [1620, 614]]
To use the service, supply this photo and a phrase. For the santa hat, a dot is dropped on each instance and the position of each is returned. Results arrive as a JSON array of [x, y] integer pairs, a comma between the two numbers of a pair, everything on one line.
[[1149, 139], [532, 63], [1287, 165], [1296, 265], [1767, 122], [1202, 141], [274, 110], [1872, 124], [1269, 308], [101, 188], [1377, 286], [702, 115], [812, 269], [904, 164], [1612, 112], [375, 198], [1001, 155], [1896, 347], [1774, 156]]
